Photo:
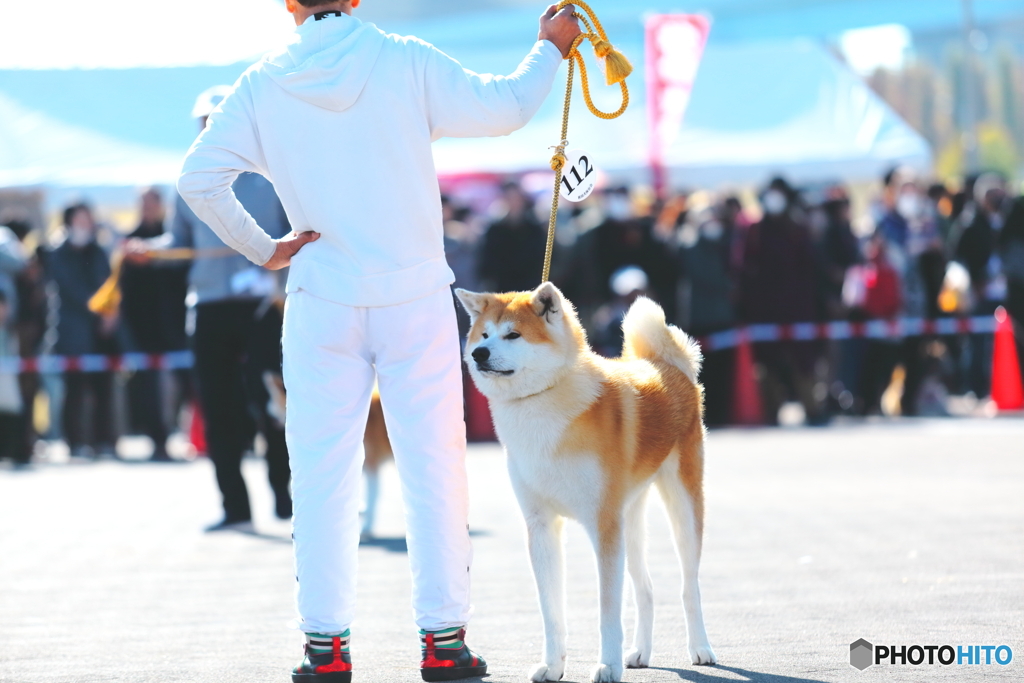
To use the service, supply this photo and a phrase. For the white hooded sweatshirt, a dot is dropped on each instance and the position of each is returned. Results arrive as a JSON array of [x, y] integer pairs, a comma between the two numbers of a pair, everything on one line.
[[341, 121]]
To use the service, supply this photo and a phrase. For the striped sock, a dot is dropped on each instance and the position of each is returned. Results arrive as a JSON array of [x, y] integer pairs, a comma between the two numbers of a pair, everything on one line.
[[323, 643], [445, 639]]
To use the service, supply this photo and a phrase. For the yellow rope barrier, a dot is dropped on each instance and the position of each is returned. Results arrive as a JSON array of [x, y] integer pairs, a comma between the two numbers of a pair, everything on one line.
[[617, 69]]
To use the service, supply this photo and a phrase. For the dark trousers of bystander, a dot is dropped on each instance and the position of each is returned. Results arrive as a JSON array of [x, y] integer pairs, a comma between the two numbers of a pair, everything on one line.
[[716, 374], [915, 364], [980, 347], [881, 356], [11, 446], [235, 342], [146, 401], [1015, 307], [97, 389], [789, 372], [28, 383]]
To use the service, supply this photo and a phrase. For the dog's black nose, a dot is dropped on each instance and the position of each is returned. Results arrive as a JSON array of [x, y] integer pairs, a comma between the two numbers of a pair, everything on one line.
[[481, 354]]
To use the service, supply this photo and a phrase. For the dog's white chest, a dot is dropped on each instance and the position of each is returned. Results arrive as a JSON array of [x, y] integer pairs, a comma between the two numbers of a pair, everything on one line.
[[569, 484], [543, 473]]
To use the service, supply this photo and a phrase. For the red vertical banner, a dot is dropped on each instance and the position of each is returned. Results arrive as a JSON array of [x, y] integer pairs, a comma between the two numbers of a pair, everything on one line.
[[674, 45]]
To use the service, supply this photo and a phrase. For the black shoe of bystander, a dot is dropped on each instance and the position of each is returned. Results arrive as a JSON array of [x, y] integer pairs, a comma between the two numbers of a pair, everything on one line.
[[240, 525], [160, 455]]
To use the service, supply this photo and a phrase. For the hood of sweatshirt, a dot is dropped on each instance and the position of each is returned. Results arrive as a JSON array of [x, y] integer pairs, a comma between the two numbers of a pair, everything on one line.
[[327, 62]]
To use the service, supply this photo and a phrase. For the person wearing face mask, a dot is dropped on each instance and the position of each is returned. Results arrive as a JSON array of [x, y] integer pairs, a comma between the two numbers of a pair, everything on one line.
[[910, 234], [13, 259], [896, 206], [27, 316], [513, 246], [625, 239], [778, 284], [707, 297], [977, 250], [78, 267], [838, 250], [976, 247], [153, 307], [909, 239], [873, 292], [236, 335]]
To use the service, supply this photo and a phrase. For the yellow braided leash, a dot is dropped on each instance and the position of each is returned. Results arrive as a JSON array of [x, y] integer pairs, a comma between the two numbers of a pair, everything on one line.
[[617, 68]]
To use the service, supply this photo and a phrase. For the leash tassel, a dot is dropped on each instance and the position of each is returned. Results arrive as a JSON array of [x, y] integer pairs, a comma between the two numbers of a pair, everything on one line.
[[616, 67]]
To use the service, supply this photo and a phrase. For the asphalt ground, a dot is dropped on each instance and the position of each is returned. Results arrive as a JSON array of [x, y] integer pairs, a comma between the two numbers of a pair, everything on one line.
[[904, 532]]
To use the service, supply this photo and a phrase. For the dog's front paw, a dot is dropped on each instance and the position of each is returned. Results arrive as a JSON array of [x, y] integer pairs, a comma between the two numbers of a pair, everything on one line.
[[703, 654], [544, 672], [606, 673], [638, 659]]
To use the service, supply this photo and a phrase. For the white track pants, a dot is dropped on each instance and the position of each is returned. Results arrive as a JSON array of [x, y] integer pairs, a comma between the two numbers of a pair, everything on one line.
[[331, 355]]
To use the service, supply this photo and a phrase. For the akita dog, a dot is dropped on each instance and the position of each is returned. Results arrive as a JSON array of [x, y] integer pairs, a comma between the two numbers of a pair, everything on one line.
[[585, 438]]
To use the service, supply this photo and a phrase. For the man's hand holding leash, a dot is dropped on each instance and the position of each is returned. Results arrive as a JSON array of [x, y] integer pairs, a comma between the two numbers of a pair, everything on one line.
[[559, 27]]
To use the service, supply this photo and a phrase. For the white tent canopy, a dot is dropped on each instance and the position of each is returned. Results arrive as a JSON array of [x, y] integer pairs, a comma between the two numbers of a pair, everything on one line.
[[786, 107], [36, 149], [757, 108]]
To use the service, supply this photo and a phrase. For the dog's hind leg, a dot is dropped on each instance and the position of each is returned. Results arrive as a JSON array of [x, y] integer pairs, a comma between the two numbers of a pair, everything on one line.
[[679, 482], [544, 530], [643, 590], [609, 545]]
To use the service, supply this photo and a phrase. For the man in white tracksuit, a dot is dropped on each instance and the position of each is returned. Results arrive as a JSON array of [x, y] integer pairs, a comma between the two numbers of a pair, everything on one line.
[[341, 121]]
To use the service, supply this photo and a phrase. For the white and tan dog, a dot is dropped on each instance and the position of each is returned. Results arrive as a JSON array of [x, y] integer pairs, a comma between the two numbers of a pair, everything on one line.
[[585, 438]]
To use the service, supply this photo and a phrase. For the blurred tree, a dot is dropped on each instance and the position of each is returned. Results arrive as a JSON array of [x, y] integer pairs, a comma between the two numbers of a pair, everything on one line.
[[996, 149], [996, 152], [934, 101]]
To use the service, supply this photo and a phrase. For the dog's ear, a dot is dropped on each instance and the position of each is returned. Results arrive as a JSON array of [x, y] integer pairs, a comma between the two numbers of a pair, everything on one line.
[[548, 302], [474, 303]]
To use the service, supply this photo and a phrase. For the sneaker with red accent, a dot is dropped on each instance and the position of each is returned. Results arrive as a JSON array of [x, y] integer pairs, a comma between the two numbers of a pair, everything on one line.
[[324, 667], [449, 664]]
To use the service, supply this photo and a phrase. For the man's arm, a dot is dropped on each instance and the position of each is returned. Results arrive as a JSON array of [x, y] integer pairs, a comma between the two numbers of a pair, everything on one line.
[[461, 103], [182, 231], [136, 249], [228, 146]]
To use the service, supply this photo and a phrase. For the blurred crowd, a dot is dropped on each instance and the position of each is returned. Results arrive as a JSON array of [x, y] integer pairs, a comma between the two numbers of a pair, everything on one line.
[[46, 286], [177, 288], [714, 262]]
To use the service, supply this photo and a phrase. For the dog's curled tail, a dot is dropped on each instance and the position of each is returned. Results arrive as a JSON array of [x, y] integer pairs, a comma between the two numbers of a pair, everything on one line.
[[648, 336]]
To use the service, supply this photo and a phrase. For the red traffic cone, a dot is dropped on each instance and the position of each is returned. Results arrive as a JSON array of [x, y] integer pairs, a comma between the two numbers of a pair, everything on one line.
[[746, 394], [197, 430], [1007, 391]]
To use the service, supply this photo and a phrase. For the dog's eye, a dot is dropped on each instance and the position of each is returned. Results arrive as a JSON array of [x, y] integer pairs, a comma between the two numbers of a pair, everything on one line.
[[485, 335], [513, 335]]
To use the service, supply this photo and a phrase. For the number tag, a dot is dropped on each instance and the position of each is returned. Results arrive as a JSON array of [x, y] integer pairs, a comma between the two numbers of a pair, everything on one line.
[[578, 177]]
